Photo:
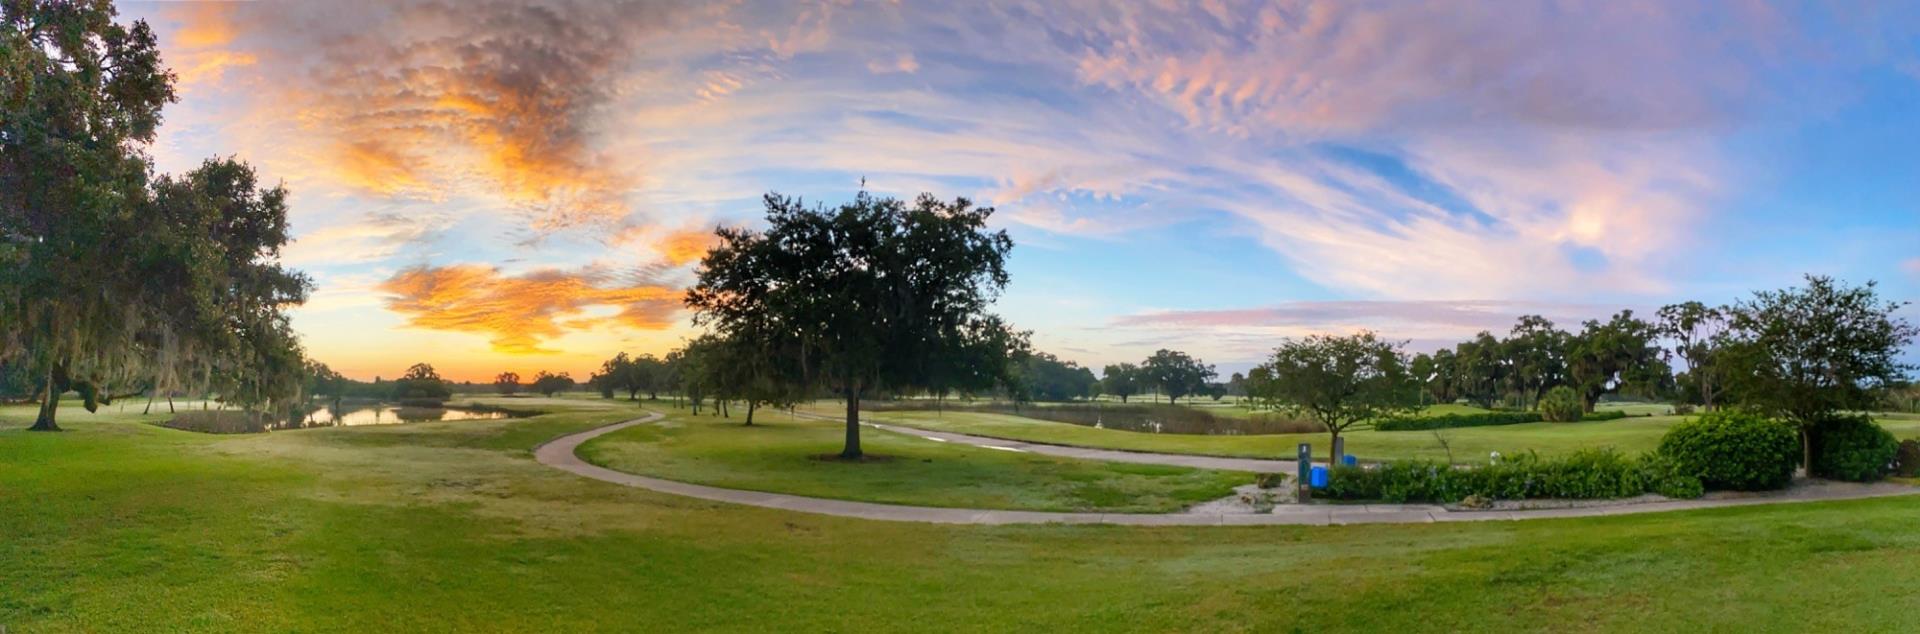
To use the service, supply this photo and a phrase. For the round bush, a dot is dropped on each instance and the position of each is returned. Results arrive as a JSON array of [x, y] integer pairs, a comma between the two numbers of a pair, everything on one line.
[[1561, 405], [1852, 448], [1734, 450]]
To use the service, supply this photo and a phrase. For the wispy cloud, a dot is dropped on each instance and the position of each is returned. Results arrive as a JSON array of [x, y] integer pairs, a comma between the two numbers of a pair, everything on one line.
[[519, 312], [1388, 151]]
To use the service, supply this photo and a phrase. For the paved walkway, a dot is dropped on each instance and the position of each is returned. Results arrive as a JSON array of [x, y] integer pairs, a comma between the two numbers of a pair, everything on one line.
[[560, 454], [1256, 465]]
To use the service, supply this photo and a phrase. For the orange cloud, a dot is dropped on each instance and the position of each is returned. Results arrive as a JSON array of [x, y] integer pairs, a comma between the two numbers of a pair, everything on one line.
[[682, 247], [436, 100], [521, 312], [377, 167], [200, 50]]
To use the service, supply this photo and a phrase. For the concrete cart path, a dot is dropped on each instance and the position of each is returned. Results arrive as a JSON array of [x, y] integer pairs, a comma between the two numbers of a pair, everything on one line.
[[1255, 465], [560, 454]]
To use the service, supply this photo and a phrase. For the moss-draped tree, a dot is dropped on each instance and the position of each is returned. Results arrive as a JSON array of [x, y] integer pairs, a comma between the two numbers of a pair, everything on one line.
[[110, 279]]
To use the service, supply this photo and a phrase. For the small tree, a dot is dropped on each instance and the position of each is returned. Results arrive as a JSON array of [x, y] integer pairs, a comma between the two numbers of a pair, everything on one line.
[[507, 383], [421, 384], [548, 384], [1340, 381], [1176, 374], [1805, 354], [1120, 379], [1700, 333]]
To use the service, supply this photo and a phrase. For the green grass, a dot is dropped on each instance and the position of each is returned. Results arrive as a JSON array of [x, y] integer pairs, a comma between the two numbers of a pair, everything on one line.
[[784, 455], [1469, 444], [116, 526]]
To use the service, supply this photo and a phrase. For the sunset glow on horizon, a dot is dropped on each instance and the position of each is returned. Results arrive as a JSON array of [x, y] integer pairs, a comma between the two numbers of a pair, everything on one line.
[[519, 186]]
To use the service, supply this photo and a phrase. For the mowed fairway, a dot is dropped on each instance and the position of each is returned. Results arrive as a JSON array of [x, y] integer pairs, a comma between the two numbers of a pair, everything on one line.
[[121, 526], [790, 455], [1469, 444]]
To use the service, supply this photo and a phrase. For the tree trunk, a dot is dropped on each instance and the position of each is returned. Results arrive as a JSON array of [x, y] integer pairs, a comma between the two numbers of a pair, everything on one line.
[[1333, 447], [750, 408], [49, 405], [1806, 450], [336, 403], [852, 450]]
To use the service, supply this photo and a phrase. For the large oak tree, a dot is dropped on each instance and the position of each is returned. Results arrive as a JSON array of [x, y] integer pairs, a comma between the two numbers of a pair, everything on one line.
[[875, 294], [111, 279]]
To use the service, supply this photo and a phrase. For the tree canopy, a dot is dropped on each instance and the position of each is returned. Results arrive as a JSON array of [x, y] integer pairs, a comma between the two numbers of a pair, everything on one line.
[[1176, 374], [1120, 379], [874, 294], [507, 383], [1339, 381], [112, 279], [1044, 377], [549, 384], [1806, 353]]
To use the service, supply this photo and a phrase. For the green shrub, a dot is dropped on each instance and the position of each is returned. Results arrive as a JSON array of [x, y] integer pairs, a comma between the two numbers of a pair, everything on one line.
[[1478, 419], [1734, 450], [1450, 421], [1561, 405], [1852, 448], [1665, 477], [1586, 474], [1907, 462]]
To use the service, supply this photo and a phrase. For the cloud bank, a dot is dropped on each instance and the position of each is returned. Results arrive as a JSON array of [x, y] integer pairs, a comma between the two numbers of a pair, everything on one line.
[[1399, 153]]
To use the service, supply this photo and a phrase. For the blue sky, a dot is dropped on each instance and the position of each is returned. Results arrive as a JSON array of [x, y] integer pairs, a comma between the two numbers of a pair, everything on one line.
[[522, 186]]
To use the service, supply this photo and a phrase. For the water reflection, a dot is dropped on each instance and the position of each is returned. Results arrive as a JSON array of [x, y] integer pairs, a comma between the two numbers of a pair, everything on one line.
[[393, 415]]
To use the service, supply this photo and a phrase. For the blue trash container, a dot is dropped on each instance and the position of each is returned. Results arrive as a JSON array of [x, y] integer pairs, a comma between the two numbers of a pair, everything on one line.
[[1319, 477], [1350, 460]]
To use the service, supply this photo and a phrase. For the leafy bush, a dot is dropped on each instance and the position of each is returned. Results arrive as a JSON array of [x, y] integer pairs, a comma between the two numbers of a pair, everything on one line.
[[1907, 461], [1734, 450], [1586, 474], [1683, 409], [1561, 405], [1852, 448], [1450, 421], [1478, 419], [1665, 477]]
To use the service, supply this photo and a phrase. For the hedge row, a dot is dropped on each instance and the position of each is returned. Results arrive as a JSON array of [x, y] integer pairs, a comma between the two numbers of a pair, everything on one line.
[[1586, 474], [1478, 419], [1720, 450]]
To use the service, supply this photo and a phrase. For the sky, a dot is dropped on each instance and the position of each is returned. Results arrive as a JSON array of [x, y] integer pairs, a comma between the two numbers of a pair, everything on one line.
[[490, 186]]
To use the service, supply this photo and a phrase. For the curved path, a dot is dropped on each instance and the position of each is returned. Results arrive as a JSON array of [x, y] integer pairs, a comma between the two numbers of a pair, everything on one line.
[[560, 453]]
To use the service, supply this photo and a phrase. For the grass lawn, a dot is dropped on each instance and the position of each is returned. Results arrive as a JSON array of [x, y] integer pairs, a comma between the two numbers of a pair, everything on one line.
[[783, 454], [118, 526], [1469, 444]]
